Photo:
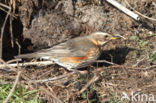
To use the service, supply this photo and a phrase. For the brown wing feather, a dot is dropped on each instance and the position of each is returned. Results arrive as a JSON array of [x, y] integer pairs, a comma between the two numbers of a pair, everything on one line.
[[75, 47]]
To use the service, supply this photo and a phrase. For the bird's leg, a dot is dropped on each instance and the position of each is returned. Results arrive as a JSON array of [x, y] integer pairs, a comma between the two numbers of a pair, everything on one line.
[[73, 70], [104, 61]]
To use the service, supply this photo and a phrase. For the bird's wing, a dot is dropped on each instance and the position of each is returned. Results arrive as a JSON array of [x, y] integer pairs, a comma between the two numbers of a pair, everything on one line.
[[74, 48], [70, 48]]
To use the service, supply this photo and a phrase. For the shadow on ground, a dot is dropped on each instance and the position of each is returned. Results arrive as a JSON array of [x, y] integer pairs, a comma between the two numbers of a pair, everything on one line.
[[117, 56]]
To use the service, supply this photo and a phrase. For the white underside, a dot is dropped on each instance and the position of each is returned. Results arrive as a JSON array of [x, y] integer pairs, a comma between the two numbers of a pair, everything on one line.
[[66, 65]]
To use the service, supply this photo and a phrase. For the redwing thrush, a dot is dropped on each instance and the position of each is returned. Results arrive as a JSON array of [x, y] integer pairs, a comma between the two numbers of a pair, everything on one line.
[[75, 53]]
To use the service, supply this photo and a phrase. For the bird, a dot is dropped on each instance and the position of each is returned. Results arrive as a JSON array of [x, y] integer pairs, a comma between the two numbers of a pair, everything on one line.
[[75, 53]]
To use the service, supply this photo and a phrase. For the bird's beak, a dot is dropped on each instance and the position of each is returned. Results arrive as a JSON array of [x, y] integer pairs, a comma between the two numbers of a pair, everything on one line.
[[117, 37], [113, 38]]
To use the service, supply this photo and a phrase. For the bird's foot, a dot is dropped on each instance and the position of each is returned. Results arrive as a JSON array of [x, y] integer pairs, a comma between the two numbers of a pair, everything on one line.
[[73, 70]]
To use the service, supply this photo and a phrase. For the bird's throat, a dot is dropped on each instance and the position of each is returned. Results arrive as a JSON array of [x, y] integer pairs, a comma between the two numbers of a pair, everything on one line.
[[99, 45]]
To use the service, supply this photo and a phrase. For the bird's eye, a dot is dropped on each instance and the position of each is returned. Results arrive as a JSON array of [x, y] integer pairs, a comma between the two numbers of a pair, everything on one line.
[[106, 36]]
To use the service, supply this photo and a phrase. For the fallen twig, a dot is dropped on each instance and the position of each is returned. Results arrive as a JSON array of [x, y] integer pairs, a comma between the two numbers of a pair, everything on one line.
[[59, 77], [94, 79], [54, 78], [147, 68], [19, 47], [3, 10], [95, 71], [6, 70], [2, 31], [138, 62], [105, 61], [13, 60], [13, 88], [41, 63], [124, 9], [139, 12], [7, 65], [50, 94], [42, 88], [4, 6]]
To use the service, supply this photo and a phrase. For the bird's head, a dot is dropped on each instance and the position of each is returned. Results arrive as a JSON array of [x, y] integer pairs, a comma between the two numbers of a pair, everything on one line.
[[101, 38]]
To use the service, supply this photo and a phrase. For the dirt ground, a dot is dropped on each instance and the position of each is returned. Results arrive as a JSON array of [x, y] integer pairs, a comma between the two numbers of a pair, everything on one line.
[[45, 23]]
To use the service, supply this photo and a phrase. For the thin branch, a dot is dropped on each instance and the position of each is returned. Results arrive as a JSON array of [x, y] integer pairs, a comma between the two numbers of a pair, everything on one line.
[[147, 68], [13, 88], [42, 63], [7, 65], [19, 47], [42, 88], [6, 70], [139, 12], [94, 79], [135, 65], [50, 94], [1, 39], [4, 6], [2, 31], [54, 78], [3, 10], [124, 9], [14, 60], [105, 61], [85, 72], [11, 31]]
